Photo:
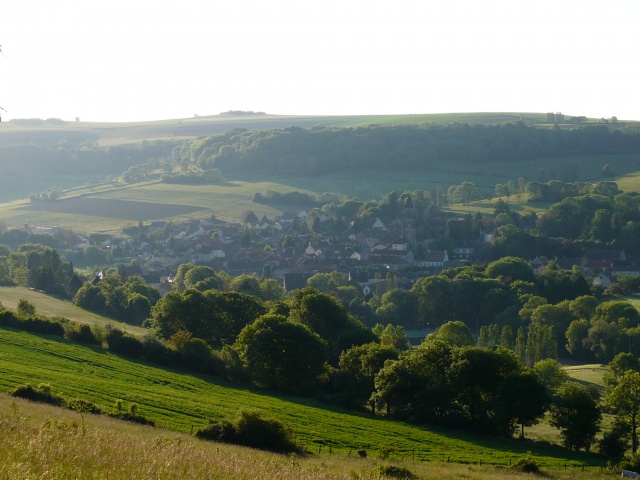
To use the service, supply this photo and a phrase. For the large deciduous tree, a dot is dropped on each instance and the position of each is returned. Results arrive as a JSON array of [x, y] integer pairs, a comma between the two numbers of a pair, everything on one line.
[[577, 415], [624, 399], [281, 354]]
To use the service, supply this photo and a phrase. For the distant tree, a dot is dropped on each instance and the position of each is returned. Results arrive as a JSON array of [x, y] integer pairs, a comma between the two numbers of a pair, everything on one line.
[[577, 415], [25, 308], [551, 373], [624, 399], [281, 354], [455, 334], [393, 336], [523, 398]]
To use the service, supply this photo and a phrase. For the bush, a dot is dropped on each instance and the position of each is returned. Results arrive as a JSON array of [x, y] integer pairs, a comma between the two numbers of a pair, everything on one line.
[[130, 417], [614, 442], [41, 394], [218, 431], [81, 333], [393, 471], [123, 343], [526, 464], [265, 433], [43, 326], [83, 406], [630, 462], [156, 351], [251, 430]]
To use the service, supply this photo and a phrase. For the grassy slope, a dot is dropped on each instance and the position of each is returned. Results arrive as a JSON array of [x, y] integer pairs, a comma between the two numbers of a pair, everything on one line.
[[51, 306], [49, 443], [178, 401]]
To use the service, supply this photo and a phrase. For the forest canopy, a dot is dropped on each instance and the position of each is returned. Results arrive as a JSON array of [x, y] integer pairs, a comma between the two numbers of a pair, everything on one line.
[[294, 150]]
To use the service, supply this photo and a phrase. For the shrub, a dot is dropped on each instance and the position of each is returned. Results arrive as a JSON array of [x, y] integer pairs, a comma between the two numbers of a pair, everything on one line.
[[129, 417], [265, 433], [83, 406], [123, 343], [526, 464], [81, 333], [218, 431], [614, 442], [43, 326], [393, 471], [156, 351], [630, 462], [42, 394], [251, 430]]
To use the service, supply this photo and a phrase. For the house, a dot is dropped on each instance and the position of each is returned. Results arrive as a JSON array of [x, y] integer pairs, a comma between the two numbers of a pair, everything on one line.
[[433, 259], [601, 280], [400, 244]]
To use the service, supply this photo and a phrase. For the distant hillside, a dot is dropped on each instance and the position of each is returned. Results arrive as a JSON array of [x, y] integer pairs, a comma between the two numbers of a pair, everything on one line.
[[322, 150]]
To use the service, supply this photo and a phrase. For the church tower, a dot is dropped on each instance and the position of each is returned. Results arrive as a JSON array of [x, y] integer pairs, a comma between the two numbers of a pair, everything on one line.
[[409, 218]]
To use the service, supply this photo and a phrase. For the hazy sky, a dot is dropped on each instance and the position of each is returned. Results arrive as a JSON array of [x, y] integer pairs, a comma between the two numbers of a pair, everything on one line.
[[121, 60]]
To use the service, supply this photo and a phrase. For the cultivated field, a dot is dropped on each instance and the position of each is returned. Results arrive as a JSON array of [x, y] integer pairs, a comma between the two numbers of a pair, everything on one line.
[[182, 402], [109, 208]]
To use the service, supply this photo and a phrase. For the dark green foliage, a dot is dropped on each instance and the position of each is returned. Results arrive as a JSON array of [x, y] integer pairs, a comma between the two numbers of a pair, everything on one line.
[[83, 406], [251, 430], [44, 326], [81, 333], [630, 462], [218, 431], [130, 417], [393, 471], [615, 441], [129, 300], [42, 394], [281, 354], [526, 464], [577, 415], [214, 316], [295, 151], [158, 352], [123, 343]]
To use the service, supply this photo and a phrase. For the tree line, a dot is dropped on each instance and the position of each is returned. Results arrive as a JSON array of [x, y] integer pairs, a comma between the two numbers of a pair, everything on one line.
[[294, 150]]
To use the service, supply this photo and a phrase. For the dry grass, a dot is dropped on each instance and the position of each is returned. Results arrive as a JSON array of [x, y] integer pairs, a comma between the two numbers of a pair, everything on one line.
[[42, 442]]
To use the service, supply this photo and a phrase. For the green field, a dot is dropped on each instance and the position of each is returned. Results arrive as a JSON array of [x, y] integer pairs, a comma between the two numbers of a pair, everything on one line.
[[179, 402], [49, 443], [89, 210], [54, 307]]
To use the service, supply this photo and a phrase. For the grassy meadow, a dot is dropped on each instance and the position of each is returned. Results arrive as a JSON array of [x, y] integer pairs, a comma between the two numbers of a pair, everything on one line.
[[180, 402], [56, 307], [49, 443]]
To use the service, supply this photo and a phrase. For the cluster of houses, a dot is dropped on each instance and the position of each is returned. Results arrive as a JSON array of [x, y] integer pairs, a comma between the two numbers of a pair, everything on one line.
[[401, 248]]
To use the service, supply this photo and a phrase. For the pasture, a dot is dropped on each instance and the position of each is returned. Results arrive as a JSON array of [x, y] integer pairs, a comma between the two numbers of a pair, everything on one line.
[[55, 307], [49, 443], [178, 401]]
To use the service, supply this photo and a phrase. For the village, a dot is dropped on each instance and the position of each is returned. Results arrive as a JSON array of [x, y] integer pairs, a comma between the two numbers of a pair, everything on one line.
[[379, 257]]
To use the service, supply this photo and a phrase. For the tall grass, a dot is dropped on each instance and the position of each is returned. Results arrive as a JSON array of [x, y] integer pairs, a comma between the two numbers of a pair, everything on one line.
[[47, 443], [181, 402]]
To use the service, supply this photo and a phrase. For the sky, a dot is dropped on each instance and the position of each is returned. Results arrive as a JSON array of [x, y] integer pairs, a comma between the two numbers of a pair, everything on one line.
[[139, 60]]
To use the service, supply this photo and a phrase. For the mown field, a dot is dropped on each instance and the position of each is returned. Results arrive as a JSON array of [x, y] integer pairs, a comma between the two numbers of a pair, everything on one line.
[[181, 402], [55, 307]]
